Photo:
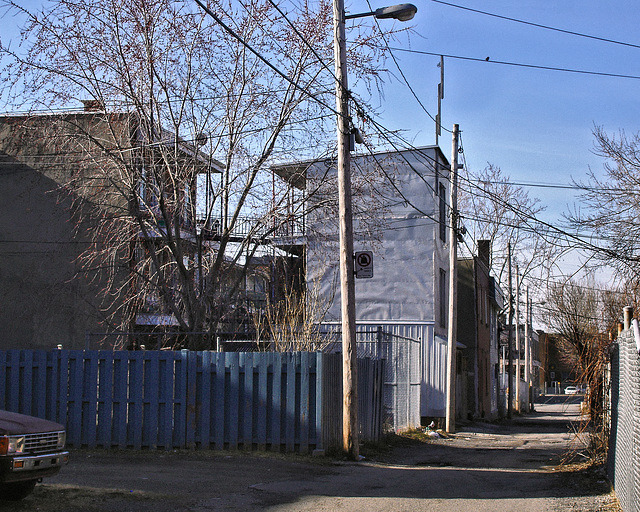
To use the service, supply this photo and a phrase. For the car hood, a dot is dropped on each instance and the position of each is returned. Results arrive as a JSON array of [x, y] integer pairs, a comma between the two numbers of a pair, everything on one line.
[[14, 423]]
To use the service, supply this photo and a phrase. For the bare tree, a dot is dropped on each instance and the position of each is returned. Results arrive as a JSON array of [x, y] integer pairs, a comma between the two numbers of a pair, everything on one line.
[[610, 206], [291, 324], [494, 209], [581, 319], [172, 85]]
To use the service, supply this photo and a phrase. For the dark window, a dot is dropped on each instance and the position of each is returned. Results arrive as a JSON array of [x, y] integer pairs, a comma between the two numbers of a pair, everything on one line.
[[443, 298], [443, 214]]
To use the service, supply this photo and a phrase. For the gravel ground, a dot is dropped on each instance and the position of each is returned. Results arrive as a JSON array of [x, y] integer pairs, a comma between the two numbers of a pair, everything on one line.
[[508, 466]]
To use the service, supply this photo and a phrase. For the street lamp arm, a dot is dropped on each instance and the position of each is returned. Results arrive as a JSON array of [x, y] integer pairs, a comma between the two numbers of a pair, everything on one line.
[[361, 15], [400, 12]]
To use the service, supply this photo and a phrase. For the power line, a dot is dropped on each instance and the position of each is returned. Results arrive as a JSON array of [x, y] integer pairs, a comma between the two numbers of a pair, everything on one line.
[[538, 25], [404, 78], [382, 132], [537, 185], [516, 64], [232, 33], [524, 216]]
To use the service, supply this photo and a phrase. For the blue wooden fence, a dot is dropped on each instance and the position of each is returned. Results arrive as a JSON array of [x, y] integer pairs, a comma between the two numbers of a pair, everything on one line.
[[169, 400]]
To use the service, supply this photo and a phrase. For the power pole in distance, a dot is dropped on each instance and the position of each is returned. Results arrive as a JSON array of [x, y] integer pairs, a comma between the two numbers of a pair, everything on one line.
[[510, 348]]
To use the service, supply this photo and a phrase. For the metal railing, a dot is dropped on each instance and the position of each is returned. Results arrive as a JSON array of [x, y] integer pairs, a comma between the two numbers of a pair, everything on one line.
[[256, 227]]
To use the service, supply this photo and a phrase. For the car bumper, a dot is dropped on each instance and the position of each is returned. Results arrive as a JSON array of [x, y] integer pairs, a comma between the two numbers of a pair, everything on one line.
[[28, 467]]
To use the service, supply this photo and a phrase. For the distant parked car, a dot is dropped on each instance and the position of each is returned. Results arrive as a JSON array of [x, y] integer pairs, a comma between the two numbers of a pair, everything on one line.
[[571, 390], [30, 448]]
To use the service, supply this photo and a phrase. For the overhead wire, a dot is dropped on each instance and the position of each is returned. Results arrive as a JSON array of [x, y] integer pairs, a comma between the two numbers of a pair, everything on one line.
[[538, 25], [232, 33], [360, 106], [404, 77], [377, 125], [517, 64], [560, 231]]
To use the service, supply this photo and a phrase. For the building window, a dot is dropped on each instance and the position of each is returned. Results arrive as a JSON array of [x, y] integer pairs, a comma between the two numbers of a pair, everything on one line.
[[443, 214], [443, 298], [187, 214]]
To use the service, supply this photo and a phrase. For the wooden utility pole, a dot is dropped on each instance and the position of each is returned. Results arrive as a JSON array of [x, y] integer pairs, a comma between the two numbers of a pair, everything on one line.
[[347, 279], [510, 348], [527, 351], [518, 344], [453, 287]]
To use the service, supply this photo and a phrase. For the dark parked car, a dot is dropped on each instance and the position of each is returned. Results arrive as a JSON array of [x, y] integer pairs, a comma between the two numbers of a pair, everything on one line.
[[30, 449]]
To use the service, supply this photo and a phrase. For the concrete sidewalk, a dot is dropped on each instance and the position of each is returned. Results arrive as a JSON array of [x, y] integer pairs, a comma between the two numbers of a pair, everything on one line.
[[505, 466]]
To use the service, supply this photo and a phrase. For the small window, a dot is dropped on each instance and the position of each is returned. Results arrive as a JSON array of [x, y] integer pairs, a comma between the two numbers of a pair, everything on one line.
[[443, 214]]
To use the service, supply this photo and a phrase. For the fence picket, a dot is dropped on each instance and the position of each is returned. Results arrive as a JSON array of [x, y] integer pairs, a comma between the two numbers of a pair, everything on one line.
[[39, 384], [190, 399], [89, 398], [290, 403], [262, 395], [276, 401], [234, 399], [105, 398], [120, 385], [13, 374], [53, 375], [203, 399], [180, 401], [26, 381], [136, 373], [305, 370], [166, 375], [318, 401], [150, 399], [74, 423], [220, 395], [246, 362]]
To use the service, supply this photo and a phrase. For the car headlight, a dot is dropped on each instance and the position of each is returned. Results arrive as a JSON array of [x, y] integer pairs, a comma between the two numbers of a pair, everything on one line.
[[62, 439], [11, 445]]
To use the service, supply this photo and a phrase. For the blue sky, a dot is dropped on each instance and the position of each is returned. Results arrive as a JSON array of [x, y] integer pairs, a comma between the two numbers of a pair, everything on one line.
[[536, 125]]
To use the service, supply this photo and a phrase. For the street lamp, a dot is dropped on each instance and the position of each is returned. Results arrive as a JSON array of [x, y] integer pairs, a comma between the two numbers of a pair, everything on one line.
[[402, 12]]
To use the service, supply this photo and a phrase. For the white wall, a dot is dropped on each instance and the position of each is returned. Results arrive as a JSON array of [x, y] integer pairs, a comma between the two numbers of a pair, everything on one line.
[[400, 227], [397, 217]]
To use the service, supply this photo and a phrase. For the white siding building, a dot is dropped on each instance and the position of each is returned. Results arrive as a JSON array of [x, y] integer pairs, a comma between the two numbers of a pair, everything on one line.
[[401, 213]]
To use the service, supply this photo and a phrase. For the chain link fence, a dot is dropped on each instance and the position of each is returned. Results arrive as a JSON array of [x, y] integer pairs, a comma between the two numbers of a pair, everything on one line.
[[624, 440], [402, 377]]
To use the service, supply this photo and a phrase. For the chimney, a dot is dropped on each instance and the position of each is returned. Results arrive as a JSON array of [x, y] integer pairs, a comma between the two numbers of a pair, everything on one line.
[[484, 252], [93, 106], [628, 316]]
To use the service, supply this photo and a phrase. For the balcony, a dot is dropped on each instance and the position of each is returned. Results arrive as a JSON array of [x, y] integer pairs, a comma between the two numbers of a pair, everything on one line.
[[274, 230]]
